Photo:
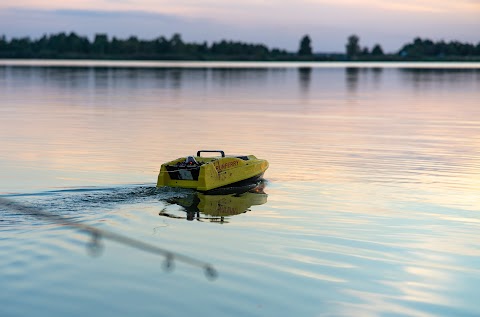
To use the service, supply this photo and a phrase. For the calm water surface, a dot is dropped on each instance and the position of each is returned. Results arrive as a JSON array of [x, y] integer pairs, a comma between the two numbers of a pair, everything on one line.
[[371, 205]]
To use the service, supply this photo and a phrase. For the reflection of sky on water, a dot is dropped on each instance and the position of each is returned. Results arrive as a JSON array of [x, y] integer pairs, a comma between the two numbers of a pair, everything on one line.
[[373, 178], [126, 121]]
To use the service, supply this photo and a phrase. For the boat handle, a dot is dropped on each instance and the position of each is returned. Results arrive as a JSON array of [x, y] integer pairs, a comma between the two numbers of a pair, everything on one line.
[[211, 151]]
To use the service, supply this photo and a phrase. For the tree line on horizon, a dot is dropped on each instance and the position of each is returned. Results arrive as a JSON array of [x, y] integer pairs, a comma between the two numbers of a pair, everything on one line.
[[73, 46], [418, 49]]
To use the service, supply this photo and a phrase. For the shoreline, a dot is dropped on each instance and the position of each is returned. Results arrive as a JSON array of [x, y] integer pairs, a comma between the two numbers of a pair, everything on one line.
[[95, 63]]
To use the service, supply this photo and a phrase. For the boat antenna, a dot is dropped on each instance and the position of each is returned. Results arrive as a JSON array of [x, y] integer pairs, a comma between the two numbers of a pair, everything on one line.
[[95, 247]]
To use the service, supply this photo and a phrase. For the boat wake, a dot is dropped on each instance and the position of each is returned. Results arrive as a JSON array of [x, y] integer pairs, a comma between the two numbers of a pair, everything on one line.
[[84, 203]]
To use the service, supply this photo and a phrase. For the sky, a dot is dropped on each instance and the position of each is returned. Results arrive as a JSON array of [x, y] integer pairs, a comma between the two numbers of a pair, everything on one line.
[[276, 23]]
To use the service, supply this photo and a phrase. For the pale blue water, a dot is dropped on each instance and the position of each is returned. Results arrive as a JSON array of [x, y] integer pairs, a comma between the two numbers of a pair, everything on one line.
[[371, 206]]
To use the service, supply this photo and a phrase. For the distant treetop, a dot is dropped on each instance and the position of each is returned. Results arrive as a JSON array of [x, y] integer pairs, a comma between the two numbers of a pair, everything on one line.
[[353, 47], [305, 48]]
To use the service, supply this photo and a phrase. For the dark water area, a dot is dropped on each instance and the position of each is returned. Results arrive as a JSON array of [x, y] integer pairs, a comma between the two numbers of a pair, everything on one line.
[[370, 205]]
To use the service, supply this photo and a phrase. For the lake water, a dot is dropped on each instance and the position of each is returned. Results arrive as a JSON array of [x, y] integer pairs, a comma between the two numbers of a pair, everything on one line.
[[371, 205]]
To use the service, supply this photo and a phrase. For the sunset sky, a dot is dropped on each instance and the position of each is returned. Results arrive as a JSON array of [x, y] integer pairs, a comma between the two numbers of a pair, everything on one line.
[[279, 23]]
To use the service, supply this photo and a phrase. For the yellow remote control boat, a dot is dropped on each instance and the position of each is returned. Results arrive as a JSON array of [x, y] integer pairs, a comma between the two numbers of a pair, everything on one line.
[[212, 174]]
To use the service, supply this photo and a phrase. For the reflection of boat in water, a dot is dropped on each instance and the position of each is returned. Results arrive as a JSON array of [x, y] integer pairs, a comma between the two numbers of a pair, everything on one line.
[[214, 175], [215, 208]]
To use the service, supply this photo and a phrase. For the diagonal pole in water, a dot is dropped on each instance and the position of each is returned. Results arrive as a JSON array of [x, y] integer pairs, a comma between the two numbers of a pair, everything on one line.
[[96, 233]]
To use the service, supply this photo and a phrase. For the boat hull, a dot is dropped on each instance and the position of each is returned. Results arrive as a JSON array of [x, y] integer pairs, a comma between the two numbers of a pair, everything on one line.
[[208, 173]]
